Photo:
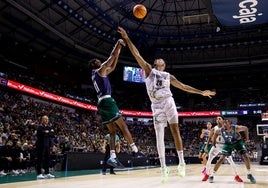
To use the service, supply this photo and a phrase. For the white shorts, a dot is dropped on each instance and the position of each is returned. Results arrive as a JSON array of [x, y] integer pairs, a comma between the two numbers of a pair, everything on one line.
[[216, 150], [165, 111]]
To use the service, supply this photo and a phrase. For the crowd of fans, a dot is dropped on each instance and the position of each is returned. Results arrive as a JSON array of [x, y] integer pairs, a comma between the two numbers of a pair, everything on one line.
[[133, 96], [75, 130]]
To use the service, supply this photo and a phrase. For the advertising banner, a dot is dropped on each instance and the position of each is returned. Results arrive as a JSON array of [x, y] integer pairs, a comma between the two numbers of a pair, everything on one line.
[[240, 12]]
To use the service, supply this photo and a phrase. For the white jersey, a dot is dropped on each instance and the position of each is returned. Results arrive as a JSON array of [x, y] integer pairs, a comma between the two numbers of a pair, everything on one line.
[[214, 151], [219, 139], [158, 85]]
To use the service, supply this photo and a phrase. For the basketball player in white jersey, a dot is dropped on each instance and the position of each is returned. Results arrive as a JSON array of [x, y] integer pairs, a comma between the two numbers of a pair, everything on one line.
[[214, 151], [162, 103]]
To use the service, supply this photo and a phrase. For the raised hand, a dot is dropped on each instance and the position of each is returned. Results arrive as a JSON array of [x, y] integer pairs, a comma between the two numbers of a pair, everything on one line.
[[122, 42], [208, 93], [122, 32]]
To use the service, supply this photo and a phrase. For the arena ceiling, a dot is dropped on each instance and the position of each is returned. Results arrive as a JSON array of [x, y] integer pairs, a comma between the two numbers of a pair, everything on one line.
[[186, 33]]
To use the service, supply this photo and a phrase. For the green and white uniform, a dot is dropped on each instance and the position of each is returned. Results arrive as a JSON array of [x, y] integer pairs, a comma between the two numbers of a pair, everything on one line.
[[206, 135], [233, 141]]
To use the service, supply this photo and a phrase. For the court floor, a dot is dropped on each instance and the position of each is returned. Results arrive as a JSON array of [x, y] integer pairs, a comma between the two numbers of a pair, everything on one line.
[[144, 177]]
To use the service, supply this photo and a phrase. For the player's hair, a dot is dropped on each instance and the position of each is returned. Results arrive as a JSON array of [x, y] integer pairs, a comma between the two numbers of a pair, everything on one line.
[[217, 117], [92, 62], [160, 59], [222, 117]]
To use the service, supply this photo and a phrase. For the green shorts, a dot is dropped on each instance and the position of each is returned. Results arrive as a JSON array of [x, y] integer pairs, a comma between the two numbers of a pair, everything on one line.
[[203, 147], [108, 110], [239, 146]]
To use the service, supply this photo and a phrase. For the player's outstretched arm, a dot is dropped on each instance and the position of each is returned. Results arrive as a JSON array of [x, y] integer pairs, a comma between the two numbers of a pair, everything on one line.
[[142, 63], [176, 83], [109, 65]]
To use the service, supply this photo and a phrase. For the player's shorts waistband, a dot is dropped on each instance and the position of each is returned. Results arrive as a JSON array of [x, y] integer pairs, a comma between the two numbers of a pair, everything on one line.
[[104, 97]]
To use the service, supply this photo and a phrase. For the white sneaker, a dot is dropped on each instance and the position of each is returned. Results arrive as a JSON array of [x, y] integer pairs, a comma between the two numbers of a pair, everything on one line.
[[181, 170], [40, 176], [22, 172], [2, 173], [15, 172], [48, 176], [164, 174]]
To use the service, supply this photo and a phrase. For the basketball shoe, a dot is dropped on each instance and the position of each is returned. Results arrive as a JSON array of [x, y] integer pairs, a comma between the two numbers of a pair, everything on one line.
[[238, 179], [251, 178], [164, 174], [115, 163], [40, 176], [205, 178], [137, 154], [211, 179], [48, 176], [181, 170], [2, 173]]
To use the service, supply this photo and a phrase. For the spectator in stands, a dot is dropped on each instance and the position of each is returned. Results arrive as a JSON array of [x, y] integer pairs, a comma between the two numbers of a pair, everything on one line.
[[2, 157], [31, 157], [20, 159], [3, 140], [25, 157], [8, 158]]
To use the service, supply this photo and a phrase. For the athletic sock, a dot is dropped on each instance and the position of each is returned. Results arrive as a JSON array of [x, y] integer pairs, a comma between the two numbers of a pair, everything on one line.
[[112, 154], [213, 172], [181, 157], [134, 147], [230, 160]]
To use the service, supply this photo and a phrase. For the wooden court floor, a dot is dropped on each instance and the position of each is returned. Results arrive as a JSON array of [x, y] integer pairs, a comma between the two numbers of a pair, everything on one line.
[[150, 177]]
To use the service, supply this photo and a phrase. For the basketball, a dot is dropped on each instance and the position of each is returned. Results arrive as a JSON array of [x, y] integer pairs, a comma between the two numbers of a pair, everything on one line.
[[139, 11]]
